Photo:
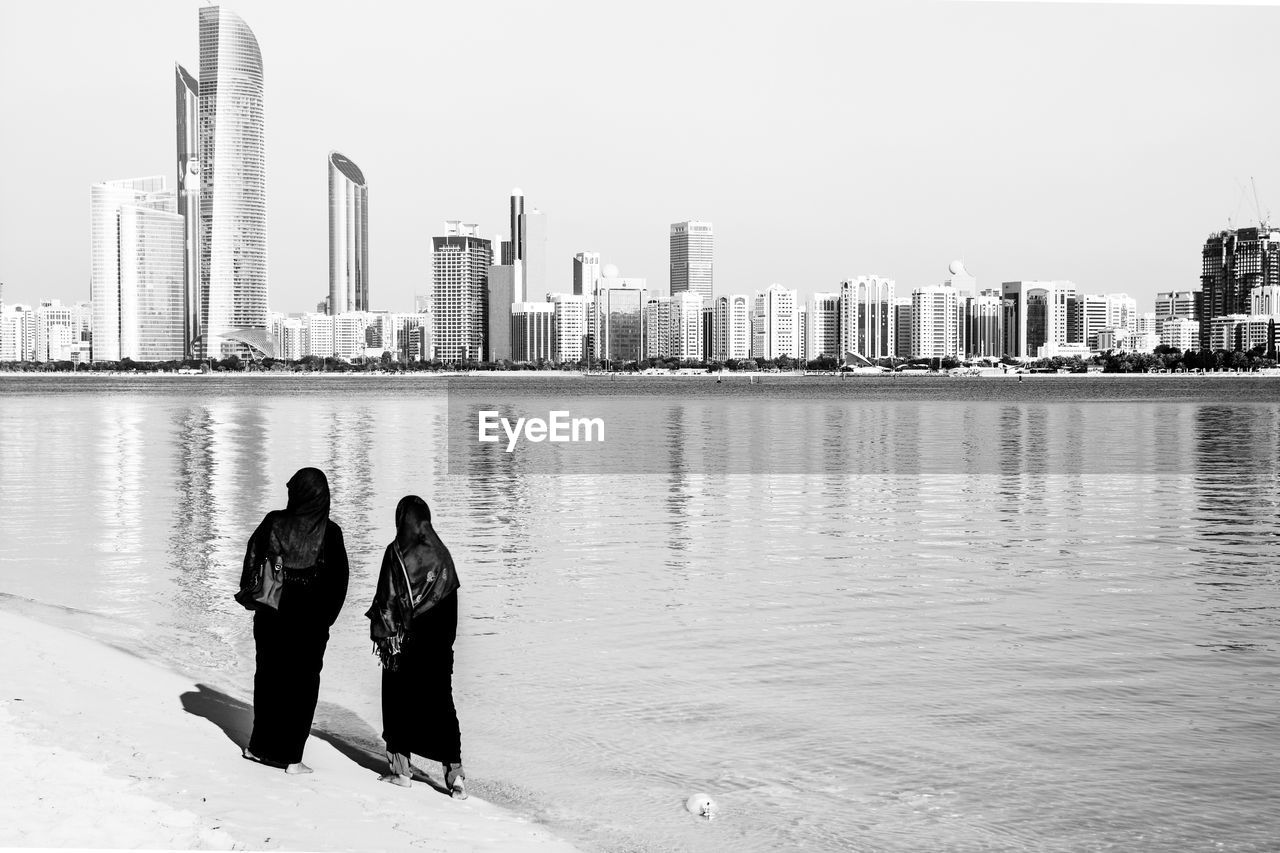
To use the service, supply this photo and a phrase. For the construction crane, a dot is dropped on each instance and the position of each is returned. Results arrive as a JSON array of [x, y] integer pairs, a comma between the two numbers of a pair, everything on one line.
[[1262, 220]]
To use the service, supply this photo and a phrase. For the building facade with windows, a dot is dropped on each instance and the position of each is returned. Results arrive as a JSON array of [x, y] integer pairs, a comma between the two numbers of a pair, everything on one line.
[[460, 277]]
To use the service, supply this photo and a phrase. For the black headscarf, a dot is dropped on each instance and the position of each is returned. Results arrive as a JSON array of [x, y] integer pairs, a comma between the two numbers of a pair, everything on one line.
[[298, 531]]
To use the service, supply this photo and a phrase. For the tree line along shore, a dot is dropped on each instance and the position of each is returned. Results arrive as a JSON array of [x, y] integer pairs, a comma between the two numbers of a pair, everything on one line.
[[1164, 359]]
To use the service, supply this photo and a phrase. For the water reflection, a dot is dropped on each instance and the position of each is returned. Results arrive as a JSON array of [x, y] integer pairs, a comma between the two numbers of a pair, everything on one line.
[[905, 620]]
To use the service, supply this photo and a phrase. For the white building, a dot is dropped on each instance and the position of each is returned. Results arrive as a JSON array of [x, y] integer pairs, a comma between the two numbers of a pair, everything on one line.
[[1176, 303], [657, 326], [317, 335], [12, 320], [586, 273], [1180, 332], [349, 334], [692, 248], [1252, 330], [823, 332], [686, 325], [137, 274], [286, 333], [731, 328], [570, 321], [62, 331], [935, 322], [460, 272], [775, 327]]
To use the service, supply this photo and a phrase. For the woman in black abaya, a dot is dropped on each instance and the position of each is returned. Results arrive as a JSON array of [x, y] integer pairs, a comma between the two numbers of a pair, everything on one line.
[[291, 641], [413, 622]]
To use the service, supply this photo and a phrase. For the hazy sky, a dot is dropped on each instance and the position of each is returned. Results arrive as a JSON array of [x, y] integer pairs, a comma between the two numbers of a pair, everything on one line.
[[1097, 143]]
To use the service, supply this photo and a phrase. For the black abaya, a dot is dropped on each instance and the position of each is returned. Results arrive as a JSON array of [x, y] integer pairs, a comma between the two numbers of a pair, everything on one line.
[[418, 714], [290, 653]]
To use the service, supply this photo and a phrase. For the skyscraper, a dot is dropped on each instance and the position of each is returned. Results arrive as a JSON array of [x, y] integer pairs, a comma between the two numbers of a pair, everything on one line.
[[1233, 264], [935, 323], [348, 236], [233, 203], [731, 327], [460, 273], [691, 258], [822, 337], [586, 272], [775, 329], [136, 271], [1035, 316], [187, 107], [867, 316]]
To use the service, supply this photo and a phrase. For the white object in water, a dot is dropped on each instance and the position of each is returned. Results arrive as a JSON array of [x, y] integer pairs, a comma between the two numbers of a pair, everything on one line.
[[701, 805]]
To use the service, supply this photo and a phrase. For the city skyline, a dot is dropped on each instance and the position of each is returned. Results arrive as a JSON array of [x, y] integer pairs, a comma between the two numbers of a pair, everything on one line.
[[1027, 171]]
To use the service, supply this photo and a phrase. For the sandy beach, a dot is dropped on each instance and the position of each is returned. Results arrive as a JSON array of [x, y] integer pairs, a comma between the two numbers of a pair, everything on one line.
[[100, 749]]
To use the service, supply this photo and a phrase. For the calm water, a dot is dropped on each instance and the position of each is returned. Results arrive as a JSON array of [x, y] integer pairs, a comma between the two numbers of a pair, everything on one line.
[[978, 615]]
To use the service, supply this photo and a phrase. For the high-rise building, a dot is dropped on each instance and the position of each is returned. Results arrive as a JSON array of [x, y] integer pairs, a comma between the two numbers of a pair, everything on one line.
[[286, 330], [317, 335], [692, 245], [187, 107], [348, 236], [1035, 316], [460, 271], [136, 279], [586, 272], [1233, 264], [572, 312], [501, 287], [966, 286], [1177, 303], [902, 344], [657, 326], [619, 336], [935, 323], [61, 331], [233, 201], [731, 328], [867, 316], [984, 325], [528, 246], [775, 325], [823, 333], [534, 284], [532, 331]]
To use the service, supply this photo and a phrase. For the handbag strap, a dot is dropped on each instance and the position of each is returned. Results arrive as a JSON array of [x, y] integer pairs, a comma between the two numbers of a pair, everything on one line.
[[408, 584]]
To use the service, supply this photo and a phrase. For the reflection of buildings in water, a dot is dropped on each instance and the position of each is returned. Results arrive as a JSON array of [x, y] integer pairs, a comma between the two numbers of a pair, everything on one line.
[[220, 457], [1236, 463], [348, 466], [120, 422]]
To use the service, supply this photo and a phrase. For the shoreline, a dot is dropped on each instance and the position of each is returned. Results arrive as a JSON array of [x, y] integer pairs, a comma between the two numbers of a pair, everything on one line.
[[268, 375], [99, 749]]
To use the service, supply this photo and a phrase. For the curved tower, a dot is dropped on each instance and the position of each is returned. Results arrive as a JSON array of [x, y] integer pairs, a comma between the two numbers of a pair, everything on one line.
[[233, 202], [348, 236], [188, 115]]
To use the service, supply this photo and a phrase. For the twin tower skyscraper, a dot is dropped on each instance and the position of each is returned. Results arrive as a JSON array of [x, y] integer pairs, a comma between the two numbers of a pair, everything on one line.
[[222, 198]]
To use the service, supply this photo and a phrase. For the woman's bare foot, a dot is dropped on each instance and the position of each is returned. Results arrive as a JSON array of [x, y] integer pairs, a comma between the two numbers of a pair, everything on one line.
[[249, 755], [396, 779], [458, 790], [298, 768]]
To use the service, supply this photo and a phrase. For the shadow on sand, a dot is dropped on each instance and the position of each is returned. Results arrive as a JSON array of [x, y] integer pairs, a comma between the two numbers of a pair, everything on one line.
[[335, 725]]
